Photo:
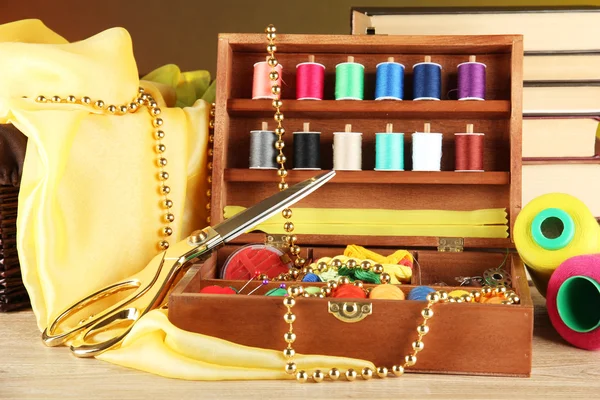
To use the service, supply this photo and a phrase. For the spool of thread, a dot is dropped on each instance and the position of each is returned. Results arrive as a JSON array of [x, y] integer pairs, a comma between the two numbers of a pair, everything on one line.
[[214, 289], [469, 151], [460, 293], [262, 149], [312, 290], [261, 83], [427, 80], [347, 150], [248, 261], [389, 81], [492, 300], [471, 80], [551, 229], [389, 292], [349, 80], [389, 150], [420, 293], [573, 301], [310, 80], [311, 278], [349, 291], [277, 292], [427, 150], [307, 149]]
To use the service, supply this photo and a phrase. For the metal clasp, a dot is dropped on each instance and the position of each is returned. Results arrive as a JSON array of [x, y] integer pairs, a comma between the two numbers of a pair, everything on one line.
[[349, 311], [454, 245], [278, 241]]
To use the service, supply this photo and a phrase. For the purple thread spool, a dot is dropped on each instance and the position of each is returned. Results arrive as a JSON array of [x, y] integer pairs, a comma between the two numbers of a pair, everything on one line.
[[471, 80]]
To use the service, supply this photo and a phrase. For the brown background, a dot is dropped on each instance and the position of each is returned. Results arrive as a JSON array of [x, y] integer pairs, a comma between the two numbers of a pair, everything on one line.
[[184, 32]]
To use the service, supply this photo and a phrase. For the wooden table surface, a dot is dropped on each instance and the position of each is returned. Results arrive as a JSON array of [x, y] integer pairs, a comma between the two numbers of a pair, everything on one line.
[[28, 369]]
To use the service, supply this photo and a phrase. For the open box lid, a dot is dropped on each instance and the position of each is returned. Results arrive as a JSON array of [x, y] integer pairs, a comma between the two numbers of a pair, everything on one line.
[[236, 114]]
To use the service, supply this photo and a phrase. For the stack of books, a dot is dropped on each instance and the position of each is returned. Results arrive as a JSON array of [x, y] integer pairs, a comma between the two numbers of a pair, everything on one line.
[[561, 96]]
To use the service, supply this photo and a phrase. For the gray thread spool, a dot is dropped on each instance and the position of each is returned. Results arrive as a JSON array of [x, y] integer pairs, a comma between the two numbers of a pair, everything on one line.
[[262, 149]]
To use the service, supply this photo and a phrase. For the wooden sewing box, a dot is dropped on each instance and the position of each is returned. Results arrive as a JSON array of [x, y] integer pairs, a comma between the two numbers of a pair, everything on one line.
[[478, 339]]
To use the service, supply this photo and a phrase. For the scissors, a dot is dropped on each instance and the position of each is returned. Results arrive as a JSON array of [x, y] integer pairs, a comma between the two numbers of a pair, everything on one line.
[[101, 321]]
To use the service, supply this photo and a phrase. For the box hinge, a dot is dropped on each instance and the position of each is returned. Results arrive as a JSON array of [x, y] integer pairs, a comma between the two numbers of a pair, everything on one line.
[[448, 244], [279, 241]]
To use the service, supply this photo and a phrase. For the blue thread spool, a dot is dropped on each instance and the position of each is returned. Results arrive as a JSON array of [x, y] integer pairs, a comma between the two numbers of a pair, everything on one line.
[[389, 83], [389, 150], [427, 80], [311, 278], [420, 293]]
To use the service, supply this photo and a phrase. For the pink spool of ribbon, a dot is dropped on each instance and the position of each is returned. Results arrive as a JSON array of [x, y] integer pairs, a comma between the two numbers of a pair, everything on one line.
[[573, 301]]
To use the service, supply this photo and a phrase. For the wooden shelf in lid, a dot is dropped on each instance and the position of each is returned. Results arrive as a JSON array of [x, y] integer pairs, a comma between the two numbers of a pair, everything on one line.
[[347, 109], [376, 177]]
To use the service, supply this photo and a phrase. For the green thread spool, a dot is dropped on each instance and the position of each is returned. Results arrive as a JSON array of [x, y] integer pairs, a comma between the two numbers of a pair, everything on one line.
[[389, 150], [277, 292], [349, 80]]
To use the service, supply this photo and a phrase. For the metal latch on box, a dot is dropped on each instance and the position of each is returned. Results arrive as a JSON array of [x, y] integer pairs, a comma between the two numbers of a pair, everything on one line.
[[454, 245], [350, 311]]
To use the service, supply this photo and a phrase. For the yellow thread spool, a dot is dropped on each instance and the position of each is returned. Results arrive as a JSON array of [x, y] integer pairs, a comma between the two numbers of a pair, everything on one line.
[[551, 229]]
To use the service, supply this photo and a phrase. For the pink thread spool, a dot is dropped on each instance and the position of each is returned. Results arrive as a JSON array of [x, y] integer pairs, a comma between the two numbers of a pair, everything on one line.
[[261, 83], [310, 80]]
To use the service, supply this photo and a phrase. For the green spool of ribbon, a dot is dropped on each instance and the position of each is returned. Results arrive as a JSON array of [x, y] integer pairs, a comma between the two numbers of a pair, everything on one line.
[[349, 80]]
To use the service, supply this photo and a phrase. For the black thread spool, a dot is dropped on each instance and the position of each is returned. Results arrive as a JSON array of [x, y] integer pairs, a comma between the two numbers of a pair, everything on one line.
[[307, 149]]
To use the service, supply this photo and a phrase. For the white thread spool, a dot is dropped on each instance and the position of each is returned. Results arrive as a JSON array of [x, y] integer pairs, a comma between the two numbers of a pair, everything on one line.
[[347, 150], [427, 150]]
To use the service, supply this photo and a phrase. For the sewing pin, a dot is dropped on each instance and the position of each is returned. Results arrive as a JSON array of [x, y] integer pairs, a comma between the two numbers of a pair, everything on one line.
[[263, 283], [256, 273]]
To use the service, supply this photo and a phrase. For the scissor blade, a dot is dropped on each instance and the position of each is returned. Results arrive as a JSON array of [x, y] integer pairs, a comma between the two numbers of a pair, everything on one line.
[[250, 217]]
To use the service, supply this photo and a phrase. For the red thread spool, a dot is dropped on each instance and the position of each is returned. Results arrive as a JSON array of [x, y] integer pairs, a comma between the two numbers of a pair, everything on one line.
[[217, 290], [580, 266], [349, 291], [252, 260], [310, 80], [469, 150], [261, 83]]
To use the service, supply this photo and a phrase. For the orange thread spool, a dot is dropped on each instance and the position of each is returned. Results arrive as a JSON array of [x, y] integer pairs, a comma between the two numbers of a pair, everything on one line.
[[492, 300], [389, 292]]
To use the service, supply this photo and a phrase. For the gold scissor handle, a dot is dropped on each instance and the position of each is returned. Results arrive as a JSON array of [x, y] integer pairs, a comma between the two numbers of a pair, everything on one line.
[[99, 331]]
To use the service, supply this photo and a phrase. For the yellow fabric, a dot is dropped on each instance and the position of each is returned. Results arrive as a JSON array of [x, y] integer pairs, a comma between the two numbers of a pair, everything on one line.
[[491, 223], [188, 86], [157, 346], [89, 208]]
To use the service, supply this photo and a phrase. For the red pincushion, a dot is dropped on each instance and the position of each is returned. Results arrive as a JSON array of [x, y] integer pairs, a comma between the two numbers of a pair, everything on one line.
[[254, 260]]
